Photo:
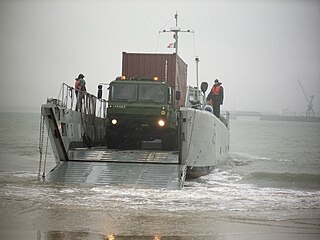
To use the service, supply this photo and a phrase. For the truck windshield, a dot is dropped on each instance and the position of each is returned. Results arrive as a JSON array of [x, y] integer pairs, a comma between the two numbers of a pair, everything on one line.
[[124, 92], [152, 93]]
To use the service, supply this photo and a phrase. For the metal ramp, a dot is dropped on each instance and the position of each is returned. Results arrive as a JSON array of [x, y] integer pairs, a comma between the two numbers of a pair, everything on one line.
[[134, 168], [131, 156]]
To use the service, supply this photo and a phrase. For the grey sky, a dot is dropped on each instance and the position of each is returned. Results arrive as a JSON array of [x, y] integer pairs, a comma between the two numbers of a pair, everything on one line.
[[257, 49]]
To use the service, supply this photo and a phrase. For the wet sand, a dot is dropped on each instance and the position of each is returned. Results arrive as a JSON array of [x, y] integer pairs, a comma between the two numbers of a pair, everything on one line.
[[21, 220]]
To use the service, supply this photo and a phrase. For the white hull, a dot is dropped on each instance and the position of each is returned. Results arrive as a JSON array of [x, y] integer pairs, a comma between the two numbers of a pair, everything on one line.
[[207, 143]]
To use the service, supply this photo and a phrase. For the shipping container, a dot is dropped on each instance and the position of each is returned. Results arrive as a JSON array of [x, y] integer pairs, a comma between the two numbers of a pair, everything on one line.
[[168, 68]]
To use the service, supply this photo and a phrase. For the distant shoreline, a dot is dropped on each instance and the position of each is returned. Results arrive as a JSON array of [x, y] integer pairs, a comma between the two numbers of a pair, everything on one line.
[[19, 110]]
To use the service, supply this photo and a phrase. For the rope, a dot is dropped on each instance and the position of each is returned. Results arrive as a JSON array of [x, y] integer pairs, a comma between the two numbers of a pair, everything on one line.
[[157, 42], [41, 144], [185, 22], [194, 46], [45, 158], [190, 132], [165, 24], [160, 32]]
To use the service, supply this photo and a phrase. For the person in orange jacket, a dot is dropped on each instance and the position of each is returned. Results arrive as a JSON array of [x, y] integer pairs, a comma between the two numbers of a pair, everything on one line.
[[215, 97], [76, 85]]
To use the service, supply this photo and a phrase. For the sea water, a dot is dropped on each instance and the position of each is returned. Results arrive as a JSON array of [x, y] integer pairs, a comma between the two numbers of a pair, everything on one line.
[[272, 176]]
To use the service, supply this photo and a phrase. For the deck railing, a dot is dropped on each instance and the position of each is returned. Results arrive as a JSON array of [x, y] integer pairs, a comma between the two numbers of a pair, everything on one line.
[[81, 101]]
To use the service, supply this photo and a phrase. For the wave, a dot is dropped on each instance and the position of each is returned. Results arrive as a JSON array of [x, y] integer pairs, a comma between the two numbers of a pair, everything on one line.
[[286, 179], [247, 156], [18, 177]]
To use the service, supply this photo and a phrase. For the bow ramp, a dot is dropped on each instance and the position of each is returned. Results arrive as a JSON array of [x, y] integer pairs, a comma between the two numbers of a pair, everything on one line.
[[138, 168]]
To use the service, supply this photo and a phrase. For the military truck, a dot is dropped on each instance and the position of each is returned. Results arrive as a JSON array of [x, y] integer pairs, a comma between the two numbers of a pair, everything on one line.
[[143, 102]]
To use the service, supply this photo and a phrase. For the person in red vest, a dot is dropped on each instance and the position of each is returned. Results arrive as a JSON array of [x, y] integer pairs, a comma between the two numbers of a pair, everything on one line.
[[215, 97], [76, 85]]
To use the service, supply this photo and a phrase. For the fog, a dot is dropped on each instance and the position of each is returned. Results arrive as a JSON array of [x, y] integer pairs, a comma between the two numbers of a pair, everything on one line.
[[257, 49]]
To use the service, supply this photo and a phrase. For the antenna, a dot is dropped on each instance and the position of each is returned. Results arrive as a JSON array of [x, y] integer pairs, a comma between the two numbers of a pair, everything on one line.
[[175, 31], [197, 75]]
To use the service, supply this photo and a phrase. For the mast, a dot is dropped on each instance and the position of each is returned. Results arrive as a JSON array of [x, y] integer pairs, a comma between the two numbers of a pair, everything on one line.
[[197, 76], [197, 70], [175, 31]]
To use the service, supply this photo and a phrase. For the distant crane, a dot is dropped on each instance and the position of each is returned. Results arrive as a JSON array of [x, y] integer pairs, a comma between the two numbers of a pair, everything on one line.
[[310, 111]]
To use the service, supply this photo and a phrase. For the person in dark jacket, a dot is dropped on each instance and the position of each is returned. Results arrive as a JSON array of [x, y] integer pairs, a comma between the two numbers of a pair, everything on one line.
[[80, 90], [215, 97], [81, 83]]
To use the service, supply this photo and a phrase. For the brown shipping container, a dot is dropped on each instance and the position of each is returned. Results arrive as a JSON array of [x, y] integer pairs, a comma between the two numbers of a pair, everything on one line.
[[168, 68]]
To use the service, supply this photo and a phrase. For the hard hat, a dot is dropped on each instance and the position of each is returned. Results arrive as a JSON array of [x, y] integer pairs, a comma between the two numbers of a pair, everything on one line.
[[208, 108]]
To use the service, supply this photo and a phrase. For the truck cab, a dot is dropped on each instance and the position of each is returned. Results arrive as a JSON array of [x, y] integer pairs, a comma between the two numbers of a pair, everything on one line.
[[141, 109]]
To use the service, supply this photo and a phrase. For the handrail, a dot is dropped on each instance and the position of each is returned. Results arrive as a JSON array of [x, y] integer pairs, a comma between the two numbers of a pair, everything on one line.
[[82, 101]]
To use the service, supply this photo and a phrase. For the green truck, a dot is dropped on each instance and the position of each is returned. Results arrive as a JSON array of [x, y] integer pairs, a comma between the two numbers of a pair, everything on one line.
[[143, 102]]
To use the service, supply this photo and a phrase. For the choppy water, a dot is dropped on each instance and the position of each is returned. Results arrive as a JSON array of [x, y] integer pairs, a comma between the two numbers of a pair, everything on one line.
[[273, 175]]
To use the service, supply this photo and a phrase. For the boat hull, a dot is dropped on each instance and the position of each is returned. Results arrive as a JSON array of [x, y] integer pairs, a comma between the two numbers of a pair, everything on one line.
[[207, 143], [196, 172]]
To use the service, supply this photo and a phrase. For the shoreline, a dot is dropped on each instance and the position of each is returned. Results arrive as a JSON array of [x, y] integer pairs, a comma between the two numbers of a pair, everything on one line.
[[25, 220]]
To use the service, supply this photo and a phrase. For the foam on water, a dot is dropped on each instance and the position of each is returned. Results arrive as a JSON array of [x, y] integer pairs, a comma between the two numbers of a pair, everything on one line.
[[247, 156], [221, 191]]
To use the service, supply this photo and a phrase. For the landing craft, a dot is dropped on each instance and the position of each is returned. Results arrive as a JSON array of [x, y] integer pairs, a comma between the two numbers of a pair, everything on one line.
[[136, 138]]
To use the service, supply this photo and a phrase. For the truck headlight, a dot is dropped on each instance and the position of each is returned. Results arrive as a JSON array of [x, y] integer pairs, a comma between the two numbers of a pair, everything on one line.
[[114, 121], [161, 123]]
